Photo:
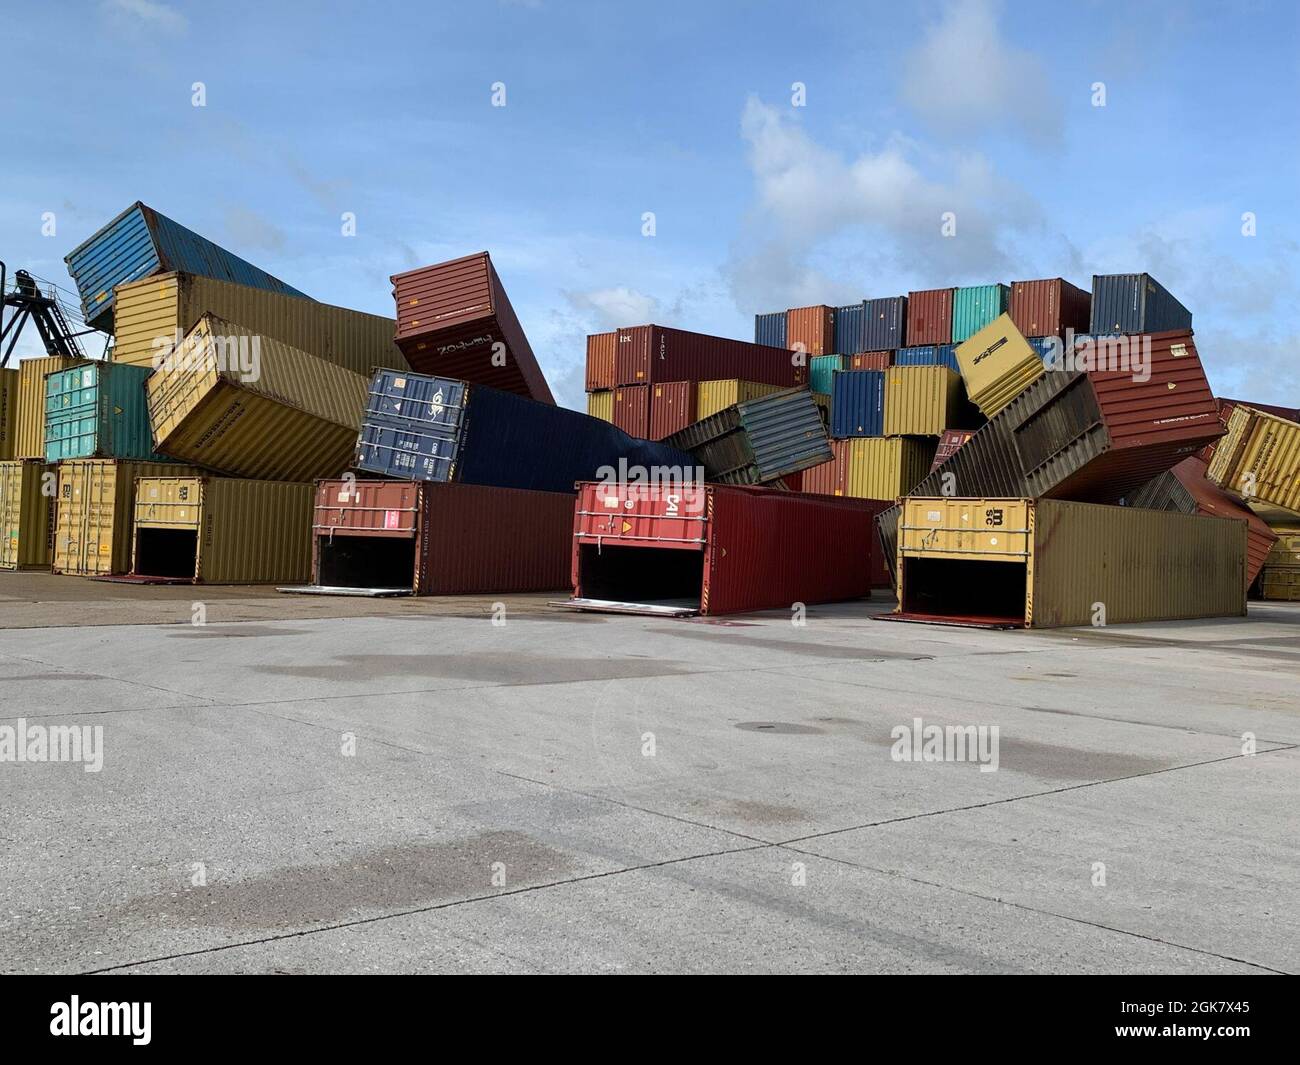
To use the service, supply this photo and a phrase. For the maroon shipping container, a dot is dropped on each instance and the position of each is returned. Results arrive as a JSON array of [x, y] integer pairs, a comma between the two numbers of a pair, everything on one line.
[[452, 316], [672, 407], [809, 329], [632, 410], [648, 354], [929, 317], [600, 361], [949, 442], [717, 549], [1047, 308], [429, 538], [871, 360]]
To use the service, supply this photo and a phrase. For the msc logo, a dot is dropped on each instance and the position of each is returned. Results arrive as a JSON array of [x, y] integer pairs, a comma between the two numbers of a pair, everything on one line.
[[993, 516]]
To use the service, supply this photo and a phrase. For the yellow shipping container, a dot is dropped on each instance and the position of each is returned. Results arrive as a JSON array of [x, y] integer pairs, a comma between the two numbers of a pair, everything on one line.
[[219, 530], [1286, 552], [27, 491], [8, 414], [295, 419], [1259, 458], [1012, 563], [601, 405], [29, 442], [883, 468], [93, 515], [153, 315], [920, 400], [997, 364], [713, 396], [1280, 583]]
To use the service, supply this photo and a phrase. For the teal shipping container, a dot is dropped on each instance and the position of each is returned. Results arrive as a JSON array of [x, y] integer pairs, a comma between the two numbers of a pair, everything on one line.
[[820, 371], [974, 307], [98, 411]]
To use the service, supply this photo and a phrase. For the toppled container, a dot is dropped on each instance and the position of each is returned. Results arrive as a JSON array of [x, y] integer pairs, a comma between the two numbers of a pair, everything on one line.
[[29, 405], [929, 317], [219, 530], [871, 467], [27, 492], [1259, 458], [807, 329], [436, 429], [283, 415], [1049, 308], [850, 326], [672, 408], [600, 360], [140, 243], [153, 316], [921, 400], [648, 354], [769, 329], [8, 413], [997, 364], [98, 410], [1023, 563], [974, 307], [427, 538], [455, 320], [713, 396], [927, 355], [858, 403], [884, 325], [759, 440], [1227, 406], [1135, 303], [716, 549], [632, 410]]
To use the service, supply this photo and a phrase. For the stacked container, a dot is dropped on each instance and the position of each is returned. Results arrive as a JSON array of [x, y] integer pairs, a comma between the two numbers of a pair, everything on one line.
[[850, 328], [810, 330], [1049, 308], [98, 410], [858, 403], [929, 317], [928, 355], [1135, 303], [29, 413], [884, 326], [27, 493], [769, 329], [974, 307], [8, 413], [921, 400]]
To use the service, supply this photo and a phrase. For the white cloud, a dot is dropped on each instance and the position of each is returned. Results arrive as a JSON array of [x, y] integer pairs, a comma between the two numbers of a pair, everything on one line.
[[149, 12], [613, 308]]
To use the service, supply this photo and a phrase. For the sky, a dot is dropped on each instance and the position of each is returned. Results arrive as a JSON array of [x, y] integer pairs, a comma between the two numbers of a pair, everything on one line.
[[788, 153]]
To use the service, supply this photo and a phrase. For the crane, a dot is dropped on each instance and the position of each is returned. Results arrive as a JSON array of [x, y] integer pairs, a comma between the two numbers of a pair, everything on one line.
[[28, 303]]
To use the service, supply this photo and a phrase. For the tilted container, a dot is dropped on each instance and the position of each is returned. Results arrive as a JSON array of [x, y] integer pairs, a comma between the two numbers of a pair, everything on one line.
[[1259, 458], [974, 307], [997, 364], [858, 403], [1135, 303], [27, 493], [98, 410], [648, 354], [949, 444], [713, 396], [929, 317], [921, 400]]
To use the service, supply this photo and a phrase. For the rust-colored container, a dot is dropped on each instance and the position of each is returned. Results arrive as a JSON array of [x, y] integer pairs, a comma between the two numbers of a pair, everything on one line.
[[432, 538], [600, 360], [632, 410], [929, 318], [455, 320], [672, 407], [1048, 308], [870, 360], [949, 443], [648, 354], [808, 329]]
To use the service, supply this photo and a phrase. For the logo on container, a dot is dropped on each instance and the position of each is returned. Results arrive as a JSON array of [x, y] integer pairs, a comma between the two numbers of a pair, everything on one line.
[[239, 355], [1117, 353], [946, 743]]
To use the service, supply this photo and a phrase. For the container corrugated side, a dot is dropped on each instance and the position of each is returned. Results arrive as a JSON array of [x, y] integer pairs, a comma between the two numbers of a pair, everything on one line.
[[974, 306], [1049, 307], [29, 441], [8, 413], [928, 355], [27, 493], [858, 403], [632, 410], [297, 420], [98, 410], [1259, 458], [875, 467], [714, 396], [600, 360], [651, 353], [1135, 303], [870, 360], [884, 326], [672, 407], [154, 315], [811, 329], [929, 317], [769, 329], [220, 530], [601, 405], [997, 364], [850, 323], [920, 400]]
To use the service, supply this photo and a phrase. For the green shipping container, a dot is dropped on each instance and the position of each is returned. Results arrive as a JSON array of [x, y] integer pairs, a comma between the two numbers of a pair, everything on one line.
[[974, 307], [820, 369], [98, 410]]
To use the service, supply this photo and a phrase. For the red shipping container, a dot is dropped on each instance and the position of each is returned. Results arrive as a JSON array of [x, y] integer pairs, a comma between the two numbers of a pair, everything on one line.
[[632, 410], [672, 407], [949, 442], [455, 320], [929, 318], [600, 361], [830, 478], [810, 330], [1048, 308], [717, 549], [648, 354], [1214, 501], [871, 360], [431, 538]]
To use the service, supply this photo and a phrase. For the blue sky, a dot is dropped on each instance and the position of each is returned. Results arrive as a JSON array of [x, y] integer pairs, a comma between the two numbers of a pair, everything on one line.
[[685, 110]]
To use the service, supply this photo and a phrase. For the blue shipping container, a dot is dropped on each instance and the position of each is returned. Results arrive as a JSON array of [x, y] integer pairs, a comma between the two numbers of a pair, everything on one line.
[[1044, 346], [1134, 303], [849, 324], [769, 329], [440, 429], [821, 372], [928, 355], [884, 326], [141, 242], [858, 404]]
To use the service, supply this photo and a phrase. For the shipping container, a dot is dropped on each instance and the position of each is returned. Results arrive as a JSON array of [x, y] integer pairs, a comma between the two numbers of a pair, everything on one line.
[[600, 360], [821, 369], [455, 320], [435, 429], [601, 405], [716, 549], [858, 404], [95, 511], [850, 327], [1259, 458], [1135, 303], [427, 538], [759, 440], [871, 467], [810, 330], [672, 407], [1227, 406], [949, 444], [1051, 350], [921, 400], [632, 410], [8, 413], [713, 396], [1285, 550], [219, 530], [927, 355], [997, 364], [1050, 307], [769, 329], [929, 317], [153, 316], [1184, 489], [884, 326], [294, 418], [974, 307], [648, 354], [29, 441], [869, 360], [1024, 563], [27, 491], [98, 411], [1280, 583], [139, 243]]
